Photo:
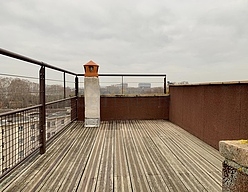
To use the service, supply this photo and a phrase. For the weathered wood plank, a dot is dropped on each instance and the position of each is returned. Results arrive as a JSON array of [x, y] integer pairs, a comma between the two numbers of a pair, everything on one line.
[[122, 181], [170, 177], [88, 179], [153, 155], [34, 172], [194, 160]]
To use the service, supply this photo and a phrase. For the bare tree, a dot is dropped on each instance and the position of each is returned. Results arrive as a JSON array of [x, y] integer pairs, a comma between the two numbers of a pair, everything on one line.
[[4, 84], [19, 95], [54, 92]]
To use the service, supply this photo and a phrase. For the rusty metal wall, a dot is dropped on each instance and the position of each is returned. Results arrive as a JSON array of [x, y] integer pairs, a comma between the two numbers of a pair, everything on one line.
[[211, 112], [130, 108], [80, 109]]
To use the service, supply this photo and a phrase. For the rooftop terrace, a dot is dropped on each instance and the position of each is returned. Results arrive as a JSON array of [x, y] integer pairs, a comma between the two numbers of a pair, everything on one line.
[[147, 155], [144, 143]]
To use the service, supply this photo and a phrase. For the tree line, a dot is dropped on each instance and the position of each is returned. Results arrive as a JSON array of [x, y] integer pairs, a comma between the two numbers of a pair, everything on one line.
[[19, 93]]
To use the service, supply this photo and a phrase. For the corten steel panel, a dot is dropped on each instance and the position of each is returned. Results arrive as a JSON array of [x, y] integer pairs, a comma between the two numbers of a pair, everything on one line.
[[80, 109], [130, 108], [244, 111], [211, 112], [222, 122], [121, 109], [175, 110], [192, 110], [108, 109], [73, 109]]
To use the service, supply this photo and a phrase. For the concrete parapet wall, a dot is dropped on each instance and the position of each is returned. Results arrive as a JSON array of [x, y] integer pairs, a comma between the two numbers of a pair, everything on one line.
[[212, 112]]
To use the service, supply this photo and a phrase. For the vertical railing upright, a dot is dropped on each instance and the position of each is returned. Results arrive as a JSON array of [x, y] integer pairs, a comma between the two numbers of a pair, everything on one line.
[[76, 94], [42, 110], [165, 85], [122, 88], [64, 87], [76, 86]]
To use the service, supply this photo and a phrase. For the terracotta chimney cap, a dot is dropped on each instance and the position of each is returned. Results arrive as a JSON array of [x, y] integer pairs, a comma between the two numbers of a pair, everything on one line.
[[91, 69], [91, 63]]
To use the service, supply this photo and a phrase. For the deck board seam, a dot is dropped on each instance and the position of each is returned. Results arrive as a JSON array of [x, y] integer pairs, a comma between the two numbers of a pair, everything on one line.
[[191, 168], [172, 185], [41, 157], [56, 163], [137, 155], [66, 162]]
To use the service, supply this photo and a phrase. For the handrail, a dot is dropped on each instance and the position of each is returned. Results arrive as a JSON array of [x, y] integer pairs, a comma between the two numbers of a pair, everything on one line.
[[57, 101], [20, 110], [42, 109], [41, 63], [128, 75], [33, 61], [132, 75], [42, 92]]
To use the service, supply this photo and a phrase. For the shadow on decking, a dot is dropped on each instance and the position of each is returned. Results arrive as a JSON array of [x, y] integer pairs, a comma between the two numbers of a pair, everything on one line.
[[122, 156]]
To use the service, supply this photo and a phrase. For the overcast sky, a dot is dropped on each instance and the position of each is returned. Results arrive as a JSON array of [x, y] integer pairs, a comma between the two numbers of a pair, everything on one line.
[[193, 40]]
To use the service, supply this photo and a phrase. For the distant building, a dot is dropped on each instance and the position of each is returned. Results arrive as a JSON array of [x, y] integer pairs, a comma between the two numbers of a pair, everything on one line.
[[19, 135], [144, 85], [178, 83], [124, 85]]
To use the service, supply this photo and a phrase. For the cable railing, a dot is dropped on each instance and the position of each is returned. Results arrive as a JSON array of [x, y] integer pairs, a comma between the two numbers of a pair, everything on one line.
[[130, 84], [26, 131], [58, 115], [44, 109], [19, 136]]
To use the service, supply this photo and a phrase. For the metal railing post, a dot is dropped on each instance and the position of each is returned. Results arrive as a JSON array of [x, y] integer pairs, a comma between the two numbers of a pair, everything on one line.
[[76, 94], [165, 85], [76, 86], [64, 87], [42, 110], [122, 91]]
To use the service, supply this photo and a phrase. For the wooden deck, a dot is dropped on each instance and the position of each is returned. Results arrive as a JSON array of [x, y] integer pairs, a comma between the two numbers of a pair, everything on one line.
[[122, 156]]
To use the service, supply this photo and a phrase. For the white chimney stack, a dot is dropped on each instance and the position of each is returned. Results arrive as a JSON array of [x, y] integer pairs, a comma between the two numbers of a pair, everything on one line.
[[91, 95]]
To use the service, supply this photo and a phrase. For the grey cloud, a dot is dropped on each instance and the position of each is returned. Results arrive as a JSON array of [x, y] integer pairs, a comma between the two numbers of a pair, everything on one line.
[[180, 38]]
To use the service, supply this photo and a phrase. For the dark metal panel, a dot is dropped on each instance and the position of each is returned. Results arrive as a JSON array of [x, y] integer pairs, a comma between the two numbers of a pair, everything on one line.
[[130, 108], [211, 112]]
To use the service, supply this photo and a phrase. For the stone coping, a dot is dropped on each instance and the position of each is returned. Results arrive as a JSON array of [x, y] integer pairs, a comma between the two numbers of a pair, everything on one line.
[[236, 166], [235, 150], [137, 95], [209, 83]]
